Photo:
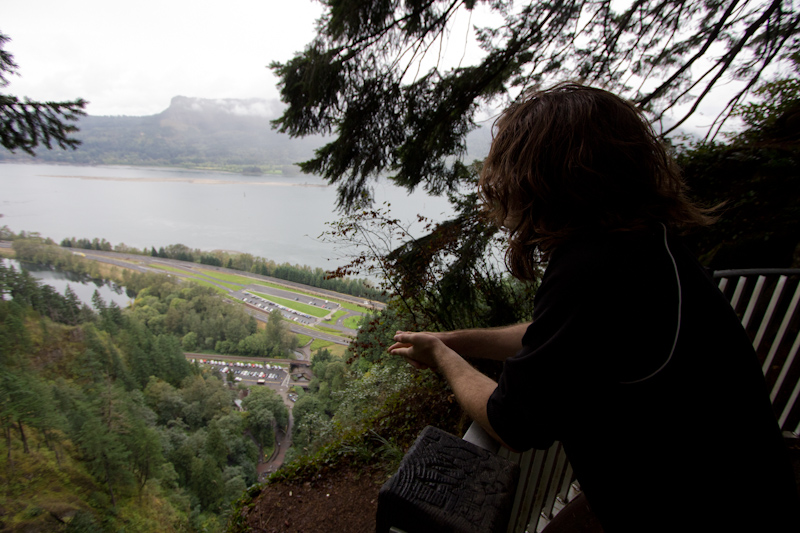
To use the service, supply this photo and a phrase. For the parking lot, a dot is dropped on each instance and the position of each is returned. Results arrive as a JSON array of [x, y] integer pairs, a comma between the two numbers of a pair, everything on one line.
[[290, 314], [250, 373]]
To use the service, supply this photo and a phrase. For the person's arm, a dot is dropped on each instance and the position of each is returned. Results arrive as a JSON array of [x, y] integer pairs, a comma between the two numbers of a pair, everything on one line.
[[490, 343], [471, 388]]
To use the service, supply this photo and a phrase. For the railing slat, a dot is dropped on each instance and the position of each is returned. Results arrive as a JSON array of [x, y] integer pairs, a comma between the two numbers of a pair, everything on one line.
[[795, 392], [777, 342], [738, 292], [555, 483], [773, 303], [546, 478], [530, 464], [723, 284], [753, 300]]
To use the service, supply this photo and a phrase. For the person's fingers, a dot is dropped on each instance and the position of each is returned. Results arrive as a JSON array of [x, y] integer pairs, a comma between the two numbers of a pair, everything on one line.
[[408, 337], [400, 350], [398, 345]]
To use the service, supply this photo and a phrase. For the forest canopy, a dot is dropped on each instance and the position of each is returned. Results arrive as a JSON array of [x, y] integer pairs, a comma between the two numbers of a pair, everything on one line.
[[26, 124], [375, 77]]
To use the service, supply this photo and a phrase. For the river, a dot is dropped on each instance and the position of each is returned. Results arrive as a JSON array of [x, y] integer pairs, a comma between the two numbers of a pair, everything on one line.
[[269, 216]]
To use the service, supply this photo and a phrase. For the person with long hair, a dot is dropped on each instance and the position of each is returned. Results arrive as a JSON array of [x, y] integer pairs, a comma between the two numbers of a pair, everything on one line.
[[633, 360]]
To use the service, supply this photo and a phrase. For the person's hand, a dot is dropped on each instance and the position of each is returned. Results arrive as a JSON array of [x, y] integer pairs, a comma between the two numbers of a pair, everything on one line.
[[419, 349]]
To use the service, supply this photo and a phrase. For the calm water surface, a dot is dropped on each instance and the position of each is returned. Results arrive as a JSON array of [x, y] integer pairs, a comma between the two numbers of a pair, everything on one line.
[[82, 287], [270, 216]]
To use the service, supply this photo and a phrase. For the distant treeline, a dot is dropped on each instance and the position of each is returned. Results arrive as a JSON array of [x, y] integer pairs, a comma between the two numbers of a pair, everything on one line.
[[313, 277], [305, 275]]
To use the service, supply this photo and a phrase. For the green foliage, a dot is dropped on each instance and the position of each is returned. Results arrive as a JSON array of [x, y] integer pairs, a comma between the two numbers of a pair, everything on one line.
[[755, 177], [26, 290], [450, 278], [201, 321], [393, 415], [777, 101], [37, 250], [353, 322], [86, 244], [25, 124], [344, 397], [265, 413], [305, 275], [367, 80], [122, 404]]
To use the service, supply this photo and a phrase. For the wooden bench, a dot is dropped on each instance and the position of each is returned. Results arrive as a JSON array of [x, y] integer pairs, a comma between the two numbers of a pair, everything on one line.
[[767, 301]]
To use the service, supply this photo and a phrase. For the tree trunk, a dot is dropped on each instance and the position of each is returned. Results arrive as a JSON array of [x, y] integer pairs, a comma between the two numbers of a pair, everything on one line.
[[22, 436], [52, 444], [110, 488], [8, 445]]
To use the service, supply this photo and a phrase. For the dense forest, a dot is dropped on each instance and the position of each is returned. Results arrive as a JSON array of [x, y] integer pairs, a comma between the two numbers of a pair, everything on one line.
[[107, 426]]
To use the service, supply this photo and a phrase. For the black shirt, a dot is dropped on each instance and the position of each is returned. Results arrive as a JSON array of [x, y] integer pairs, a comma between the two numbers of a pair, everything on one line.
[[638, 365]]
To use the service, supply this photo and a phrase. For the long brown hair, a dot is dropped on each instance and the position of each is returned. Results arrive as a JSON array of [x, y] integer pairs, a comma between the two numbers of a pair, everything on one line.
[[574, 160]]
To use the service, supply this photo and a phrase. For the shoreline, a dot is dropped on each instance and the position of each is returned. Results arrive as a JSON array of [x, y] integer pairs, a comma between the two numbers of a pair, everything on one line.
[[196, 181], [212, 170]]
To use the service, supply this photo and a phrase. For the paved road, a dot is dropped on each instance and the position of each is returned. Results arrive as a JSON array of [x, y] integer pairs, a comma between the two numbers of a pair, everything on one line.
[[282, 442]]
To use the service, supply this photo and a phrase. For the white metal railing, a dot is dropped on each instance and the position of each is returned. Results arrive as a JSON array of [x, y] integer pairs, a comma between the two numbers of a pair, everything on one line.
[[766, 300]]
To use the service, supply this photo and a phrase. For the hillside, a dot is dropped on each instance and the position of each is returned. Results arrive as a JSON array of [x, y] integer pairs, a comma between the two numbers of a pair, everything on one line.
[[224, 134], [192, 132]]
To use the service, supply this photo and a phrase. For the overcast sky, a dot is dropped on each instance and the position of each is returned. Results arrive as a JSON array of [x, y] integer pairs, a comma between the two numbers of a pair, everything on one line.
[[131, 58]]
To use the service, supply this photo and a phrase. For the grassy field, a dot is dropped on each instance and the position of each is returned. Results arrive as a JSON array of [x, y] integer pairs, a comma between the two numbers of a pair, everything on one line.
[[209, 284], [203, 279], [302, 339], [353, 322], [232, 278], [335, 349], [343, 303], [227, 279], [243, 280], [297, 306], [354, 307], [318, 344], [247, 281], [170, 269], [336, 316], [134, 262]]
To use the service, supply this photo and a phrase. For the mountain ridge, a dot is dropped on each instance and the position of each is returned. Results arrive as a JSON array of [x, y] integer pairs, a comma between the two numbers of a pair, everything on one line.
[[224, 134], [203, 133]]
